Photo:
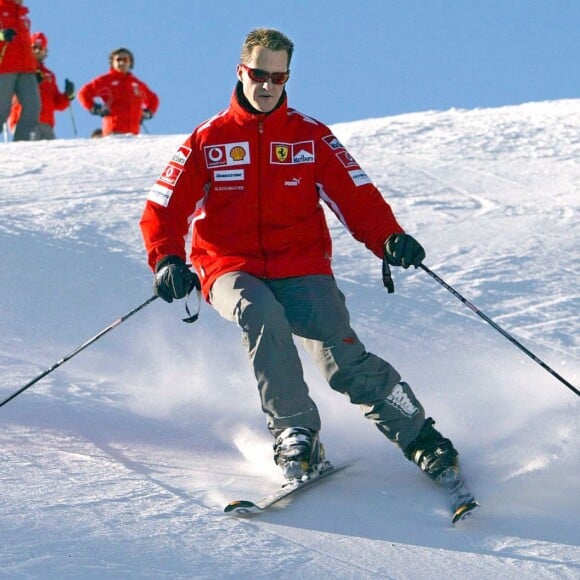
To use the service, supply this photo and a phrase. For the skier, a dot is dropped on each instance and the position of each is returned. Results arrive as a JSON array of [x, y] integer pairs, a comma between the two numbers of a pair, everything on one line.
[[119, 97], [17, 69], [251, 180], [50, 96]]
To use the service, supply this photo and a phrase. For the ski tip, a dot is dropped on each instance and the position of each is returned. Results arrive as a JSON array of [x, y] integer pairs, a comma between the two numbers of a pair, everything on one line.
[[242, 508], [464, 511]]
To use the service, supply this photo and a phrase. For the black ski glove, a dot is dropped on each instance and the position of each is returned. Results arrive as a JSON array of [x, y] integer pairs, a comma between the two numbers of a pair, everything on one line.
[[146, 114], [69, 89], [7, 35], [173, 279], [98, 109], [403, 250]]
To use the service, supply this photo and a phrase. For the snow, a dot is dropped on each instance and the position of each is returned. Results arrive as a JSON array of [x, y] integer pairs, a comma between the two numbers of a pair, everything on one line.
[[118, 464]]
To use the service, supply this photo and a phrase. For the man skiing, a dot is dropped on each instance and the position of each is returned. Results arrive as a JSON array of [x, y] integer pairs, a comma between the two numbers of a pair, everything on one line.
[[251, 180]]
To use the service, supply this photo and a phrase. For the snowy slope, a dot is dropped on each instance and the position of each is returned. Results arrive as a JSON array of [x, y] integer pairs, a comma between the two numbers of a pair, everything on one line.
[[117, 464]]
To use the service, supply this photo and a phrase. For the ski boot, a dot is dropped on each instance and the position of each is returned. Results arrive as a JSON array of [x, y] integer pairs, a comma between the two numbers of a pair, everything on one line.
[[436, 456], [299, 453]]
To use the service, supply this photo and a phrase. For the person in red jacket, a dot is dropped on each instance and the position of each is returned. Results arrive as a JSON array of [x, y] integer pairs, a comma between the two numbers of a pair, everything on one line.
[[250, 182], [119, 97], [18, 69], [50, 96]]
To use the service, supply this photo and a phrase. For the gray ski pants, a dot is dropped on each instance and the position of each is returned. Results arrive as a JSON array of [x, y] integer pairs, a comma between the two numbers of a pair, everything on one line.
[[312, 308], [25, 87]]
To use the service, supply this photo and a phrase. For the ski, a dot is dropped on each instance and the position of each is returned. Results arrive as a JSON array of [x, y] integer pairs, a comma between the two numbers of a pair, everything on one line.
[[249, 508], [463, 504]]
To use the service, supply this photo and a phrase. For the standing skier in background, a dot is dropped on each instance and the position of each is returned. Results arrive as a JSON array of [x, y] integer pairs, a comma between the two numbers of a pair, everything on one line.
[[50, 96], [18, 69], [119, 97], [251, 180]]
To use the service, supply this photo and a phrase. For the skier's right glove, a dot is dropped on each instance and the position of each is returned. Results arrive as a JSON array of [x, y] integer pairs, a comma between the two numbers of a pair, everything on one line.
[[98, 109], [7, 35], [173, 279]]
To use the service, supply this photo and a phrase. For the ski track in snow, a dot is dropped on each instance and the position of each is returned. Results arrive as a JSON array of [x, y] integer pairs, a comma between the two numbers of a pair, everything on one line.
[[118, 464]]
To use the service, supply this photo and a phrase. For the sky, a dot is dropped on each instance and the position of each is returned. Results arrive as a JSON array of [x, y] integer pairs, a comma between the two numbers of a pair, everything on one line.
[[118, 464], [354, 60]]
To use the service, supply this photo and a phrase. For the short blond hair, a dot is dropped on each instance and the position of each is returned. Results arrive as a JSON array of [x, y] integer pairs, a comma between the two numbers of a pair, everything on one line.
[[266, 38]]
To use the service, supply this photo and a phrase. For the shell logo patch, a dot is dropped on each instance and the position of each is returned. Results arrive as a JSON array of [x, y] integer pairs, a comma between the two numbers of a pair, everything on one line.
[[237, 153]]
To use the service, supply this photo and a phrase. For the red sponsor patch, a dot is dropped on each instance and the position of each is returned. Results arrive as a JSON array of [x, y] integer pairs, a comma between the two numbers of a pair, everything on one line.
[[333, 142], [181, 155], [281, 153], [346, 159], [170, 175], [215, 156], [303, 152]]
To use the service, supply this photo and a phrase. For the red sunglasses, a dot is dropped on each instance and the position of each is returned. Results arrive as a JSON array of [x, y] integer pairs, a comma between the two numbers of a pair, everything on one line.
[[261, 76]]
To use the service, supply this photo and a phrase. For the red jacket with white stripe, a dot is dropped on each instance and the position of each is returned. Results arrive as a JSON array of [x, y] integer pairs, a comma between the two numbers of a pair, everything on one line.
[[253, 184]]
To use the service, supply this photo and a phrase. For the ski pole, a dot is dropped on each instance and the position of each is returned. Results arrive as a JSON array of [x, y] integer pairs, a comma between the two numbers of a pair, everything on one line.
[[73, 121], [499, 329], [79, 349]]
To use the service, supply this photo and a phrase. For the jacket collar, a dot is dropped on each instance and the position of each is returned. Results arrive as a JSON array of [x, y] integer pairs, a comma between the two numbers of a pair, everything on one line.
[[244, 112], [120, 74]]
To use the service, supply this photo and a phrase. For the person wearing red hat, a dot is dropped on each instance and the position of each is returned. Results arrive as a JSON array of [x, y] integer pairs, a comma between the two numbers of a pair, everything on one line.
[[52, 99], [119, 97], [18, 69]]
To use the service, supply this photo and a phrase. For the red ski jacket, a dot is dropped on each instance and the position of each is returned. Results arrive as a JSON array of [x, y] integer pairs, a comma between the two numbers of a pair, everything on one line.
[[16, 56], [252, 184], [50, 97], [124, 95]]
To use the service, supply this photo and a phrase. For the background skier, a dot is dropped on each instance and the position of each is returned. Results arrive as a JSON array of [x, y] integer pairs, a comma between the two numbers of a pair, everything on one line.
[[51, 98], [18, 69], [119, 97]]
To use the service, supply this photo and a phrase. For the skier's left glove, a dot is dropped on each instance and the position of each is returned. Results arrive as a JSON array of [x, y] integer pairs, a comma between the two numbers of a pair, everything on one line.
[[69, 89], [403, 250], [146, 114], [173, 279]]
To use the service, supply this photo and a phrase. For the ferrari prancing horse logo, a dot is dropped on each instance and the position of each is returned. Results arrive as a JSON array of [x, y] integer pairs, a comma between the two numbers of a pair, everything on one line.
[[282, 152]]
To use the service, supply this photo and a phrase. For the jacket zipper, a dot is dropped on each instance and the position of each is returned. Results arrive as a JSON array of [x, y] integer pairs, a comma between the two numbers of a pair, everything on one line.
[[259, 196]]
